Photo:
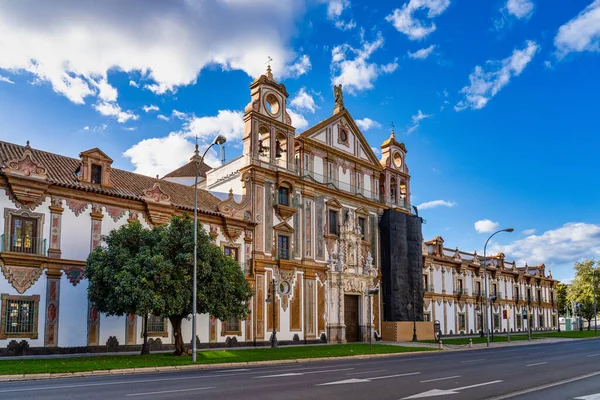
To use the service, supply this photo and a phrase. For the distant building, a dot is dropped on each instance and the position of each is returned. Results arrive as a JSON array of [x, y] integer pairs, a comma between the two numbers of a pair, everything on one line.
[[454, 288]]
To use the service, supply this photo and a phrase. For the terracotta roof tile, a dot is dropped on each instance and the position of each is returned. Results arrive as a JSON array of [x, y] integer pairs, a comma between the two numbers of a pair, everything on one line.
[[125, 184], [189, 170]]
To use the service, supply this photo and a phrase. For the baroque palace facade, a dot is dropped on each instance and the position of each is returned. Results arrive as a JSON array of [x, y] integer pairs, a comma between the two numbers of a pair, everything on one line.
[[520, 298], [299, 213]]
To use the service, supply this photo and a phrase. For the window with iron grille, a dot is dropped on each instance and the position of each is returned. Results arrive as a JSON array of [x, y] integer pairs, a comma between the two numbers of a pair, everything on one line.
[[462, 322], [233, 325], [96, 176], [519, 321], [156, 325], [496, 321], [284, 196], [283, 247], [19, 316]]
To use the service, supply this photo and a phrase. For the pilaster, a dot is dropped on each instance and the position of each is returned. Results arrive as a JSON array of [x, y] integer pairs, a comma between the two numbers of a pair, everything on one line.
[[56, 210], [52, 308]]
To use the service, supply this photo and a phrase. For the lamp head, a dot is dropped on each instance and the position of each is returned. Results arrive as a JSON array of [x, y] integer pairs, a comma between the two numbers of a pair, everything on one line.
[[220, 140], [509, 230]]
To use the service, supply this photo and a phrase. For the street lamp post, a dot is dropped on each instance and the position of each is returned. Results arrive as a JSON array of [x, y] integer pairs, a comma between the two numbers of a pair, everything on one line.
[[486, 284], [219, 140], [271, 299], [414, 310], [595, 313]]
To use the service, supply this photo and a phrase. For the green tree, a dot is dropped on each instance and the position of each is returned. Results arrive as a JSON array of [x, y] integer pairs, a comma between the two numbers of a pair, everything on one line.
[[161, 273], [581, 290], [121, 273], [561, 294]]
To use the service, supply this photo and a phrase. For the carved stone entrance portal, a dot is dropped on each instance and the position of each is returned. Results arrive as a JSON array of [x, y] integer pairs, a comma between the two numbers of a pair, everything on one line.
[[351, 318]]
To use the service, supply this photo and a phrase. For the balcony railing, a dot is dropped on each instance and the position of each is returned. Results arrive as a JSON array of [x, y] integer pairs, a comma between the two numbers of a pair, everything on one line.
[[517, 297], [23, 244], [497, 295], [478, 293], [461, 291], [428, 288]]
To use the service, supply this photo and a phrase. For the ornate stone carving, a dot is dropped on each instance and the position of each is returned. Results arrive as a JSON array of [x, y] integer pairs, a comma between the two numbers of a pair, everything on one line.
[[156, 194], [75, 274], [213, 232], [26, 166], [456, 255], [21, 278], [116, 212], [76, 206], [339, 98]]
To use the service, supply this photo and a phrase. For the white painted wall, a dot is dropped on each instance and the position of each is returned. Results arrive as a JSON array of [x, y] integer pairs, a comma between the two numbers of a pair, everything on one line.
[[72, 317]]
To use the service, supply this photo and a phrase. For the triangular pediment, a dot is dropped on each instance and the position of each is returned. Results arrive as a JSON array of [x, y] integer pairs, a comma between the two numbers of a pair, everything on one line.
[[361, 211], [334, 203], [96, 154], [352, 142], [283, 227]]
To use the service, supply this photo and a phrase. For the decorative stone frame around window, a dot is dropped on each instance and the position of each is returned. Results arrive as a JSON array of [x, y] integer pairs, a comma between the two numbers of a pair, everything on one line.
[[9, 216], [343, 136], [157, 326], [8, 304], [231, 327]]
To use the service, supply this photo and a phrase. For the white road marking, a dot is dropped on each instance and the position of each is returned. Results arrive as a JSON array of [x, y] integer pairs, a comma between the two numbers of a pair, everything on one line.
[[440, 379], [439, 392], [540, 363], [302, 373], [547, 386], [366, 372], [470, 361], [364, 380], [593, 355], [595, 396], [169, 391]]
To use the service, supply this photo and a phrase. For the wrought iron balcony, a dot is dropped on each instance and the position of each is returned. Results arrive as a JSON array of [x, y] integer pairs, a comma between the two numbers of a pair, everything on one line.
[[461, 291], [428, 288], [23, 244]]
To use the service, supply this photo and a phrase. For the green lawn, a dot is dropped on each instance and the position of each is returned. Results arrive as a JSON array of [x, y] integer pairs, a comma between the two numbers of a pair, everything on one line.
[[570, 334], [80, 364]]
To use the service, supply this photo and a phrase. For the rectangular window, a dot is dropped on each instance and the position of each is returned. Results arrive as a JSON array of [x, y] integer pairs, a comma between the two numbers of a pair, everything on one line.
[[24, 235], [478, 288], [494, 290], [333, 222], [233, 325], [541, 325], [462, 322], [96, 176], [19, 316], [496, 321], [358, 183], [426, 317], [330, 173], [157, 326], [426, 283], [308, 229], [517, 294], [231, 252], [519, 321], [283, 247], [362, 224], [479, 318], [284, 196], [376, 188], [307, 164]]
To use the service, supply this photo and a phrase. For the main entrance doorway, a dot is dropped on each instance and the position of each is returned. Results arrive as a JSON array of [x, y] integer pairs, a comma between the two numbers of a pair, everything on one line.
[[351, 317]]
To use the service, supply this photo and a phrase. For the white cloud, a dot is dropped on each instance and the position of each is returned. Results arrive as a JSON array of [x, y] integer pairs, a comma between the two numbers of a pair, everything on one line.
[[529, 232], [485, 225], [114, 110], [97, 128], [72, 45], [435, 203], [582, 33], [404, 19], [486, 84], [5, 79], [304, 101], [149, 108], [335, 9], [163, 117], [298, 120], [367, 123], [161, 155], [357, 73], [180, 115], [422, 54], [416, 119], [559, 248], [131, 128], [377, 151], [520, 8], [134, 84]]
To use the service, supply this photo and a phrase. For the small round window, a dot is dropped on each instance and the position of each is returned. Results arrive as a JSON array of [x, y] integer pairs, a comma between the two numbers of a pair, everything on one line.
[[272, 104], [343, 135], [397, 160], [285, 287]]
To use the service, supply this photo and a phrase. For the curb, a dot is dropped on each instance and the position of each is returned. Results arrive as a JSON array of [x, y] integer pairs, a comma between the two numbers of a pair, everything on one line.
[[129, 371]]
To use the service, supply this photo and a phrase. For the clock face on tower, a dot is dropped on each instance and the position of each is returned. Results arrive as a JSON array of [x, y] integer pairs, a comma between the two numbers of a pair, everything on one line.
[[397, 160]]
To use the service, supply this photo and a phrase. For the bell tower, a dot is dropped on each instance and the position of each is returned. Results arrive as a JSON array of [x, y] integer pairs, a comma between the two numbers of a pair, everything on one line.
[[268, 131], [395, 180]]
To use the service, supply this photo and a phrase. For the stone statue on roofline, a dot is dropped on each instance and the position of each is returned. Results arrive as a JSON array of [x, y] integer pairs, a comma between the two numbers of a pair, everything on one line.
[[339, 98]]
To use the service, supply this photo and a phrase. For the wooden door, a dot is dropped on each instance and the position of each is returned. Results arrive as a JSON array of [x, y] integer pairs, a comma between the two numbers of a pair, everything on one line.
[[351, 318]]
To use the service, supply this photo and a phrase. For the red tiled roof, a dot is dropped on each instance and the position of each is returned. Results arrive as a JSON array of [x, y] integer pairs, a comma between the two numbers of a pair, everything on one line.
[[125, 184], [189, 170]]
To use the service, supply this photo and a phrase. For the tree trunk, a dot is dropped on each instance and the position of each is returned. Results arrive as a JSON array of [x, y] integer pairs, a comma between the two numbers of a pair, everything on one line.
[[589, 323], [145, 346], [180, 349]]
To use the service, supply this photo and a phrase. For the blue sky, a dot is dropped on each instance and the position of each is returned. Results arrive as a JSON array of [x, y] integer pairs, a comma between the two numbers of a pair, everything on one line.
[[497, 101]]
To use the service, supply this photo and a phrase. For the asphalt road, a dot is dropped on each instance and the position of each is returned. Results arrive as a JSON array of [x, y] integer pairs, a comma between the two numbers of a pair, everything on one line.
[[568, 370]]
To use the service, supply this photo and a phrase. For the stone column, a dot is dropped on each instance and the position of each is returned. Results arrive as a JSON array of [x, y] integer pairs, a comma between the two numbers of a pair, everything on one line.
[[93, 315], [56, 211], [52, 307]]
